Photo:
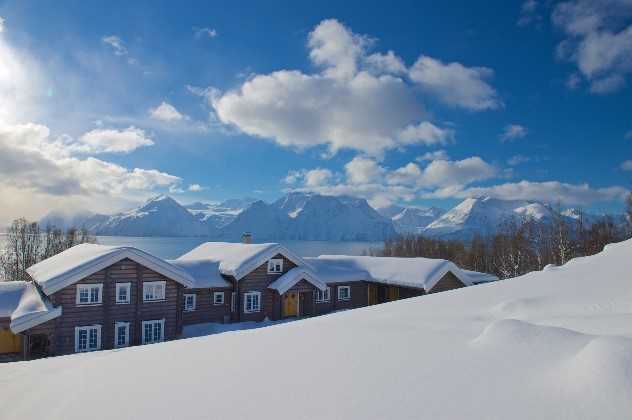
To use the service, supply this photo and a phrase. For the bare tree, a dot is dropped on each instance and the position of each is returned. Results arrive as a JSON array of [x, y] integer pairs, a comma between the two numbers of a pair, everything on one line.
[[26, 245]]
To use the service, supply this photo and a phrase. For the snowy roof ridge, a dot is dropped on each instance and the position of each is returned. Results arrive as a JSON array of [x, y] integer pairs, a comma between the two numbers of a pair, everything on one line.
[[205, 273], [237, 259], [295, 275], [417, 272], [73, 264]]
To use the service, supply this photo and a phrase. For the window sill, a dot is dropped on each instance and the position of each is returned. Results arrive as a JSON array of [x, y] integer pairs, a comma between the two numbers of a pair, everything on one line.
[[322, 301], [252, 312], [189, 310], [154, 300], [122, 303], [344, 300], [83, 305], [218, 304]]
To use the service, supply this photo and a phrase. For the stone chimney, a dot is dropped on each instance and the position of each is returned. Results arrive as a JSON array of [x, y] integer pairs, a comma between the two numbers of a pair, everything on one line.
[[246, 238]]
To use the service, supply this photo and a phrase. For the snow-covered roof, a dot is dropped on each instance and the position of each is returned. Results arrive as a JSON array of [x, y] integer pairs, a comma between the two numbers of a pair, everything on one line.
[[238, 259], [478, 278], [289, 279], [24, 305], [421, 273], [205, 273], [80, 261]]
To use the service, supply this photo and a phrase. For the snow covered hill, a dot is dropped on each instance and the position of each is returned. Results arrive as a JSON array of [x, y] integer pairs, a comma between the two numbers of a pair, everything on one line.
[[555, 344], [160, 216]]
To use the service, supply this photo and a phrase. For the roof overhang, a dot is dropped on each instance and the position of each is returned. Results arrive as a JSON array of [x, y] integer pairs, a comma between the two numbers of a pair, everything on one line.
[[156, 264], [26, 322], [262, 257], [295, 275]]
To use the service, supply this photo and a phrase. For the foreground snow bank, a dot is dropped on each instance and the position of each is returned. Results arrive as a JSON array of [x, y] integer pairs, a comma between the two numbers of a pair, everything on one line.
[[550, 345]]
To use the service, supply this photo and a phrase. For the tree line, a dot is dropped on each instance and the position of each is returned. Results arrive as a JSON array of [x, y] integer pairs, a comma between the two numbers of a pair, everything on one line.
[[27, 244], [519, 246]]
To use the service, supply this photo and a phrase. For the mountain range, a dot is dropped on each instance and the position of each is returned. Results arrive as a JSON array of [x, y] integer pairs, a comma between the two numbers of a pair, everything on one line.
[[310, 216]]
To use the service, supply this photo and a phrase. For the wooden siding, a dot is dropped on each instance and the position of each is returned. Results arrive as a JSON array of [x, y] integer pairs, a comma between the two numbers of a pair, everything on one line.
[[205, 309], [258, 280], [447, 282], [109, 312]]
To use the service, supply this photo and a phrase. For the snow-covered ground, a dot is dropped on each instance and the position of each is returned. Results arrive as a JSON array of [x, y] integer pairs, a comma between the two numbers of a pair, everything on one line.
[[556, 344], [210, 328]]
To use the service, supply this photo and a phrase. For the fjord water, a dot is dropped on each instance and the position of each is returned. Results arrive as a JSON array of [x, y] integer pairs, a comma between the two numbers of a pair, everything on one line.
[[173, 247]]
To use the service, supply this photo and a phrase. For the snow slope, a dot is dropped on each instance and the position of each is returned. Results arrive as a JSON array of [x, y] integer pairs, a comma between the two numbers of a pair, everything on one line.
[[555, 344]]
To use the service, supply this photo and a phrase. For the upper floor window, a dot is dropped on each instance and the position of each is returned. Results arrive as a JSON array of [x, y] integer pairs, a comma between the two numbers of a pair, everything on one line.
[[321, 295], [154, 290], [122, 292], [344, 292], [87, 338], [218, 298], [252, 302], [189, 302], [89, 294], [275, 266]]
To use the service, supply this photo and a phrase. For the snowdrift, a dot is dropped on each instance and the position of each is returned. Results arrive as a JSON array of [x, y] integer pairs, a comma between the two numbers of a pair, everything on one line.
[[555, 344]]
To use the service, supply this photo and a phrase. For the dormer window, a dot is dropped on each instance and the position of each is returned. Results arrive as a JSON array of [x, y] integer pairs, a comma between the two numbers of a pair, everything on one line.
[[275, 266]]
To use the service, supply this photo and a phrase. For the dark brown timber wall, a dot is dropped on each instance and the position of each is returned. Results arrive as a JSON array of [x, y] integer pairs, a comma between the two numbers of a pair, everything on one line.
[[109, 312], [258, 280], [205, 308], [447, 282]]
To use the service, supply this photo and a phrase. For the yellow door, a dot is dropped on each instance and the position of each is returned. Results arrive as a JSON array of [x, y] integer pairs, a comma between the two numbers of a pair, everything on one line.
[[290, 304], [372, 294], [393, 293], [9, 342]]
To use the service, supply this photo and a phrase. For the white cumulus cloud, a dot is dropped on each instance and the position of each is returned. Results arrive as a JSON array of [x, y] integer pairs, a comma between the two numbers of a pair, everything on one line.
[[102, 140], [358, 101], [598, 40], [166, 112], [513, 132], [455, 84]]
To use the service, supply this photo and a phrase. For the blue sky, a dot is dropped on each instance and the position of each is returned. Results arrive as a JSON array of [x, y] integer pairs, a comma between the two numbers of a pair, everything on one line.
[[398, 102]]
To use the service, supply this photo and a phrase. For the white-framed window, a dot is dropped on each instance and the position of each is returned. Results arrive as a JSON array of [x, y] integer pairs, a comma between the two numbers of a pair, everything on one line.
[[121, 334], [322, 295], [154, 290], [344, 292], [89, 294], [153, 331], [87, 338], [189, 302], [218, 298], [233, 301], [123, 292], [252, 302], [275, 266]]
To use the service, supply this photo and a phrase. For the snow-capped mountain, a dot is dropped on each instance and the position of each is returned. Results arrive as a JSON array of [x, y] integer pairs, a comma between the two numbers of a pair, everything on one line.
[[81, 219], [484, 216], [159, 216], [218, 215], [407, 220], [310, 216], [306, 216]]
